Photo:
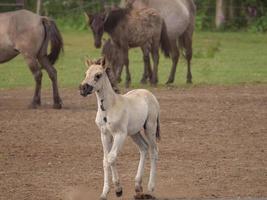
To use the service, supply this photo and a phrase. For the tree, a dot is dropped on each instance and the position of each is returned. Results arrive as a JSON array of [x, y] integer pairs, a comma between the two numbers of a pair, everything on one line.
[[220, 15], [38, 7]]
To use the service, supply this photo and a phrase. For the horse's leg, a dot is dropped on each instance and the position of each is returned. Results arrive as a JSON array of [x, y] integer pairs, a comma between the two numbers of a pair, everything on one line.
[[37, 73], [118, 72], [155, 57], [147, 66], [52, 72], [150, 133], [128, 75], [143, 147], [188, 54], [175, 54], [106, 142]]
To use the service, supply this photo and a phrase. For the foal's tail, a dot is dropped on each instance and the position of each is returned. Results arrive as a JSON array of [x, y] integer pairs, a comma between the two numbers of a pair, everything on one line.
[[158, 130], [164, 41], [52, 33]]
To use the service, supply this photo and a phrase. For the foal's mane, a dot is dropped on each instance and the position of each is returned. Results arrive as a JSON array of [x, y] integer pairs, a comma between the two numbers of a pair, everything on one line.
[[114, 17]]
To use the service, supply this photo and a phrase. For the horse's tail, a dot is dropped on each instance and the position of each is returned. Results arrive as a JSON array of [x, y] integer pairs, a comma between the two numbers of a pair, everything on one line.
[[158, 130], [164, 41], [52, 33]]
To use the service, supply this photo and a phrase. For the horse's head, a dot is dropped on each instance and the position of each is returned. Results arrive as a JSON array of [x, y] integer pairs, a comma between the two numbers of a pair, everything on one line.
[[93, 77], [96, 23]]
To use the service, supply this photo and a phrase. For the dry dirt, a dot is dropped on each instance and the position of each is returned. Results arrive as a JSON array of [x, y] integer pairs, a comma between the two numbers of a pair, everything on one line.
[[214, 144]]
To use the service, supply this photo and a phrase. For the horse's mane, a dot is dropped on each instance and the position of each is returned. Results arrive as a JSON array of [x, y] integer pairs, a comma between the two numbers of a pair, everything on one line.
[[114, 17]]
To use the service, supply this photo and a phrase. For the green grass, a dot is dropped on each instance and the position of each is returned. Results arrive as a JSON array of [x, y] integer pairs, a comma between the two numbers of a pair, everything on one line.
[[219, 59]]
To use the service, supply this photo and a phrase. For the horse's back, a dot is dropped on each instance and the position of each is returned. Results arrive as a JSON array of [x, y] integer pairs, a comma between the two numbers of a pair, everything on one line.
[[143, 25], [20, 31], [143, 95], [177, 14]]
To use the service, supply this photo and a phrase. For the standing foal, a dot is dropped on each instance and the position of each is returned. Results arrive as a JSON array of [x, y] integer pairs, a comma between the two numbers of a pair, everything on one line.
[[119, 116]]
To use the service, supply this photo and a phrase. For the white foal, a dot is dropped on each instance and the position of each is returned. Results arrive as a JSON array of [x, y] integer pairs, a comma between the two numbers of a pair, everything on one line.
[[119, 116]]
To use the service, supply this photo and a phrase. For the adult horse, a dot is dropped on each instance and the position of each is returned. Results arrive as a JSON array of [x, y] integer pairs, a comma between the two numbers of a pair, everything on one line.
[[179, 16], [130, 28], [23, 32]]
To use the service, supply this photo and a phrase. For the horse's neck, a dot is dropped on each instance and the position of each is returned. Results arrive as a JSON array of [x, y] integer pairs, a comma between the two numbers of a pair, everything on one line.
[[106, 96]]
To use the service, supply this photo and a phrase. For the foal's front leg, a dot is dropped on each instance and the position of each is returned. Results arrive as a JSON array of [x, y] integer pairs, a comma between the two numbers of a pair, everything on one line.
[[118, 140], [106, 142]]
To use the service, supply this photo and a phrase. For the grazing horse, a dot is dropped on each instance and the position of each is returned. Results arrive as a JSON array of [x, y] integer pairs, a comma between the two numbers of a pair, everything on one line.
[[179, 16], [129, 28], [119, 116], [23, 32]]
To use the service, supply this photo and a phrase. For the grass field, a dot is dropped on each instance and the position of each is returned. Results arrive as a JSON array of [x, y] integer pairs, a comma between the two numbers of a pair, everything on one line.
[[219, 59]]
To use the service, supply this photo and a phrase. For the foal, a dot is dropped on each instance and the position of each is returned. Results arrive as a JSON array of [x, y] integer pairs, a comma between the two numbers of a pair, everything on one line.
[[119, 116]]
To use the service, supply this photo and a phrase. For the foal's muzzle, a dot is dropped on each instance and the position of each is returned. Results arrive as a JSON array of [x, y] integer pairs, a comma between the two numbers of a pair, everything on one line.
[[86, 89]]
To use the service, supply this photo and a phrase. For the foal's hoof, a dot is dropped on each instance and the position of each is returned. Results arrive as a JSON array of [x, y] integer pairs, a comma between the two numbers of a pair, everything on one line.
[[189, 81], [143, 197], [127, 84], [143, 81], [119, 192], [57, 106]]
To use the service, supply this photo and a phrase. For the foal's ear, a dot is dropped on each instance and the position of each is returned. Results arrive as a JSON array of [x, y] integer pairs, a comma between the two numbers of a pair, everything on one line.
[[103, 62], [88, 62], [88, 17]]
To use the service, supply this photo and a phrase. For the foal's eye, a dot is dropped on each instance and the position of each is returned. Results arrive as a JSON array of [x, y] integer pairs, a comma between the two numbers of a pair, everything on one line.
[[98, 76]]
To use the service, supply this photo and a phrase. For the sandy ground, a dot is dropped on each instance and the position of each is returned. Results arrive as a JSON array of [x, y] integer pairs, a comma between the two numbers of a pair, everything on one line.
[[214, 145]]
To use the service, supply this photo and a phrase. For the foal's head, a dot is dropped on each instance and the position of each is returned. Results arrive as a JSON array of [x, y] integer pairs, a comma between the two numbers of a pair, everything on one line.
[[94, 77], [96, 23]]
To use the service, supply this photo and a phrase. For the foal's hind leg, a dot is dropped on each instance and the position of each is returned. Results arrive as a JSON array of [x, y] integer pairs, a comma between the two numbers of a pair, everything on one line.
[[155, 57], [143, 147], [147, 67], [175, 58], [128, 75], [52, 72], [150, 132], [37, 73]]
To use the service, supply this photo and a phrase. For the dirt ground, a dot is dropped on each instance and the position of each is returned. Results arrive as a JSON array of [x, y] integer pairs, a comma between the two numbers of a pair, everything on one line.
[[214, 145]]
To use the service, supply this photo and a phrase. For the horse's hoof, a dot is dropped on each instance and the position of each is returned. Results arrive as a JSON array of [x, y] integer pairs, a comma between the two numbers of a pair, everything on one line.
[[169, 82], [143, 81], [57, 106], [143, 197], [119, 192], [34, 105]]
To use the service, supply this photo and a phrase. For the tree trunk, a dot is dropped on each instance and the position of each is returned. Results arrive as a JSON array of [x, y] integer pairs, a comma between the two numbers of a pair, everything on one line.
[[38, 7], [220, 16], [231, 10]]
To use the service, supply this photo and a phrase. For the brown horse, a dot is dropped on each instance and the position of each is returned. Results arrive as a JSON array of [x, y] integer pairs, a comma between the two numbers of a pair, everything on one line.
[[129, 28], [114, 58], [179, 16], [23, 32]]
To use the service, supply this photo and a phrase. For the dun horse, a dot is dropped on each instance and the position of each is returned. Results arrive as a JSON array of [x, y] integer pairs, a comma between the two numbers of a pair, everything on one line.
[[23, 32], [129, 28], [179, 16], [119, 116], [114, 58]]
